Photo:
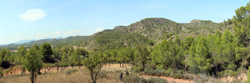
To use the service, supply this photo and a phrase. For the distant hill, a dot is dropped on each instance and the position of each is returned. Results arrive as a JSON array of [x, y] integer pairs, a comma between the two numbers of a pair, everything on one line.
[[69, 41], [24, 41], [148, 31]]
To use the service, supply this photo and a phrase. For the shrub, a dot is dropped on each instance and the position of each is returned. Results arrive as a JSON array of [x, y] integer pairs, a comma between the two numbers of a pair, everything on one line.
[[169, 72], [102, 75], [68, 72], [178, 76], [228, 73], [151, 66], [188, 76], [131, 79], [157, 72], [136, 69]]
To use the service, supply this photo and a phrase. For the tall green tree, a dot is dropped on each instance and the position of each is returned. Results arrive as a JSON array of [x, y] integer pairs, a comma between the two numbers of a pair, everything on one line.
[[169, 53], [94, 65], [46, 51], [176, 53], [141, 56], [199, 58], [241, 23], [33, 63], [21, 54], [160, 53], [123, 55]]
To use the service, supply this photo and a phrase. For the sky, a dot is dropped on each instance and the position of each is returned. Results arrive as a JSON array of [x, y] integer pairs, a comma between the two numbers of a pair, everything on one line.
[[40, 19]]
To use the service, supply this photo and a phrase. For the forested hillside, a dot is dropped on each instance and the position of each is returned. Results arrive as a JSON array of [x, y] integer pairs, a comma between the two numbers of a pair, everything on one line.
[[148, 31]]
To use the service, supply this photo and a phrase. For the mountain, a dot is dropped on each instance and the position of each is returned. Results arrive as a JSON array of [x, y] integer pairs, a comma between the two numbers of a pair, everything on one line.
[[148, 31], [151, 31], [57, 42], [23, 41]]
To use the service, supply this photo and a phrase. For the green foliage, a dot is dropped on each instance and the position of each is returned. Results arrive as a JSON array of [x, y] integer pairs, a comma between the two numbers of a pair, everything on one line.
[[33, 63], [199, 58], [21, 54], [5, 54], [94, 65], [1, 72], [46, 51], [169, 72], [241, 23], [168, 53], [33, 60], [156, 72], [159, 54], [141, 56]]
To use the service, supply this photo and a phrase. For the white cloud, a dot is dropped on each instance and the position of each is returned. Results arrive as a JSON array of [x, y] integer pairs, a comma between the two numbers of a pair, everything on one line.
[[55, 34], [50, 35], [32, 15], [73, 32], [99, 29], [58, 32]]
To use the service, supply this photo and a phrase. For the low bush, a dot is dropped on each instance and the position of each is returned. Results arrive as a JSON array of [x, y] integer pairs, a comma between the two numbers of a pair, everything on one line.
[[102, 75], [151, 66], [188, 76], [68, 72], [136, 69], [178, 74], [132, 79], [156, 72], [169, 72], [228, 73]]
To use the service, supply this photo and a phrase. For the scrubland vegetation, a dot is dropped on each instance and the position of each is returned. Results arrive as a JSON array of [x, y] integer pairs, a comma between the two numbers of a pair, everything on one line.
[[157, 50]]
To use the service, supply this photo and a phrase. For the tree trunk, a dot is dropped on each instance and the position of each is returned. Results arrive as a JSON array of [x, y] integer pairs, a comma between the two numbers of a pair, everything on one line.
[[92, 77], [143, 66], [32, 77]]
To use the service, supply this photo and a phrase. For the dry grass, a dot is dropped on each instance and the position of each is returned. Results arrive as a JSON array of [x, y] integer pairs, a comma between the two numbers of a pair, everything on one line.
[[80, 76], [109, 74]]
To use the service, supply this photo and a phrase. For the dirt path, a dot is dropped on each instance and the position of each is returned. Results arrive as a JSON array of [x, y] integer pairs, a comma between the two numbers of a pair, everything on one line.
[[169, 79]]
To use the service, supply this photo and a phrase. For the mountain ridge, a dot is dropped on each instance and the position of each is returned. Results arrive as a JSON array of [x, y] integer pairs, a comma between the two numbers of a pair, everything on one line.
[[143, 32]]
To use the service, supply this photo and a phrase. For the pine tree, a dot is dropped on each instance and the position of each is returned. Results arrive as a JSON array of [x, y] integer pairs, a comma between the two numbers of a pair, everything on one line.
[[199, 58]]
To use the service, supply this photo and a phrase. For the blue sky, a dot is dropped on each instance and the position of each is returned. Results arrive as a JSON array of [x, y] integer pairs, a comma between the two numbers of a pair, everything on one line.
[[39, 19]]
